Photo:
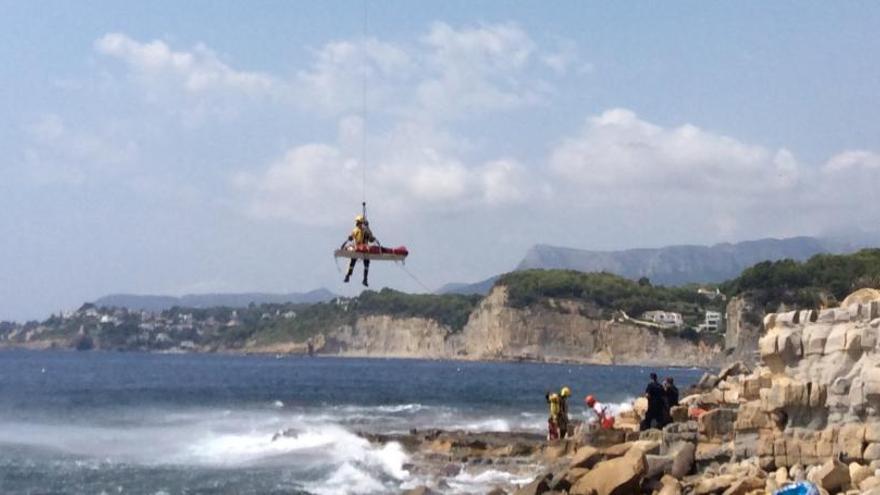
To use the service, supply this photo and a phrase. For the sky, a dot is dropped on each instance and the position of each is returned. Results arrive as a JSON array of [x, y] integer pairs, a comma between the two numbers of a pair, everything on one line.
[[211, 146]]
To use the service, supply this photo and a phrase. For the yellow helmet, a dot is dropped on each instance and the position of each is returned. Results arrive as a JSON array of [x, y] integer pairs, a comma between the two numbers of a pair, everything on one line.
[[554, 398], [565, 392], [359, 219]]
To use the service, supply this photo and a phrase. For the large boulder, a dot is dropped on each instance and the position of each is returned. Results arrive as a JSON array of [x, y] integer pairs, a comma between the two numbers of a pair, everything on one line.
[[658, 465], [713, 485], [585, 457], [861, 296], [682, 459], [717, 424], [620, 476], [745, 485], [831, 476], [859, 473], [563, 480]]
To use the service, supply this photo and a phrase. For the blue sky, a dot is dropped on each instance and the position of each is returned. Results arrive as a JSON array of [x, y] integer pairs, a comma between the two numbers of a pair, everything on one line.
[[169, 147]]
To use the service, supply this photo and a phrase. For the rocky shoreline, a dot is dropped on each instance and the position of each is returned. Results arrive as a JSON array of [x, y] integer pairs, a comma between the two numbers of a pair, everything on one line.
[[809, 413]]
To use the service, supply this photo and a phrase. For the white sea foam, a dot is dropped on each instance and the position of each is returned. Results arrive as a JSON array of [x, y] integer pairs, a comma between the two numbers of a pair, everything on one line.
[[482, 482]]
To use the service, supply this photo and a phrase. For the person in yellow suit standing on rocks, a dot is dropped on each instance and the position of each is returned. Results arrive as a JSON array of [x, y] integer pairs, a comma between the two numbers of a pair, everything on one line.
[[564, 394], [553, 420]]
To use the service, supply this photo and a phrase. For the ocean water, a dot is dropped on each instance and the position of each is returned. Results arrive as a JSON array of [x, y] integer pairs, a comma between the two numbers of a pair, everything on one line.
[[98, 422]]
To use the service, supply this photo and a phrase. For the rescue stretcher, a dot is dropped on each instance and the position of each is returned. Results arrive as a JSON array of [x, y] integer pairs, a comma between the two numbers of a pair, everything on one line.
[[373, 253]]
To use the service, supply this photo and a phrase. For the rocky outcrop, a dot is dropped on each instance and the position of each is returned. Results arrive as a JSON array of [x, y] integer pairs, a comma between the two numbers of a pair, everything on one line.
[[743, 329], [560, 331], [810, 413]]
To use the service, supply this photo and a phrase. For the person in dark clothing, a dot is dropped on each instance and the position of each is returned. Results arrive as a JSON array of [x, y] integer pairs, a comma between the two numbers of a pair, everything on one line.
[[671, 395], [656, 405]]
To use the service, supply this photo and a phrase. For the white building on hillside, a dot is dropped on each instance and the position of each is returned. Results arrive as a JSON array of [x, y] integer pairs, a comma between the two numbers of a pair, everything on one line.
[[711, 323], [664, 318], [711, 294]]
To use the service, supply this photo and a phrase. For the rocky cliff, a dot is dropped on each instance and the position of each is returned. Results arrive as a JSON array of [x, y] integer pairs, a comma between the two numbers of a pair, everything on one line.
[[558, 330], [743, 329]]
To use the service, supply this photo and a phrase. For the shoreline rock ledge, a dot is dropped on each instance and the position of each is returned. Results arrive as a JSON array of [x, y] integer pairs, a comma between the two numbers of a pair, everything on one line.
[[810, 412]]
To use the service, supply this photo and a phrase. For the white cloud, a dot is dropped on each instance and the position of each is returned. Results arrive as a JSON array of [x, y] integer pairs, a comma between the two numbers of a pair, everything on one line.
[[619, 151], [853, 160], [319, 183], [55, 153], [196, 71], [474, 69], [448, 73], [693, 180], [343, 70]]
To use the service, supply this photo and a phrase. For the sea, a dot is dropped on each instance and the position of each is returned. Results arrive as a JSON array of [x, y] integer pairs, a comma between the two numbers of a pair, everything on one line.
[[118, 423]]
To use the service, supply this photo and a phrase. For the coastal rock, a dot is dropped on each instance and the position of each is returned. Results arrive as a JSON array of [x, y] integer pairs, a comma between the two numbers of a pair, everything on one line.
[[859, 473], [538, 486], [734, 369], [831, 476], [658, 466], [585, 457], [717, 424], [869, 483], [563, 480], [679, 414], [620, 476], [745, 485], [682, 459], [669, 486], [861, 296], [717, 484]]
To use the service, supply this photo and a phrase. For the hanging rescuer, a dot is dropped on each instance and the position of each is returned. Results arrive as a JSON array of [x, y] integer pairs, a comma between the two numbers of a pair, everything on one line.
[[361, 244]]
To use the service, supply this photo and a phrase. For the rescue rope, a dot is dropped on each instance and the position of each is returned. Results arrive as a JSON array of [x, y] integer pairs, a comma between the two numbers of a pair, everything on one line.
[[403, 267], [364, 63]]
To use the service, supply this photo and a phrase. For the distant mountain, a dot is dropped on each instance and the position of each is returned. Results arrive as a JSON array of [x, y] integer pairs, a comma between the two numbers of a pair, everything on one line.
[[677, 265], [481, 287], [160, 303]]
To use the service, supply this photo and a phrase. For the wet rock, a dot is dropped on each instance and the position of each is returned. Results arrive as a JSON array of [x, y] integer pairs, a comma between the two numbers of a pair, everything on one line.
[[619, 476], [538, 486], [452, 470], [420, 490]]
